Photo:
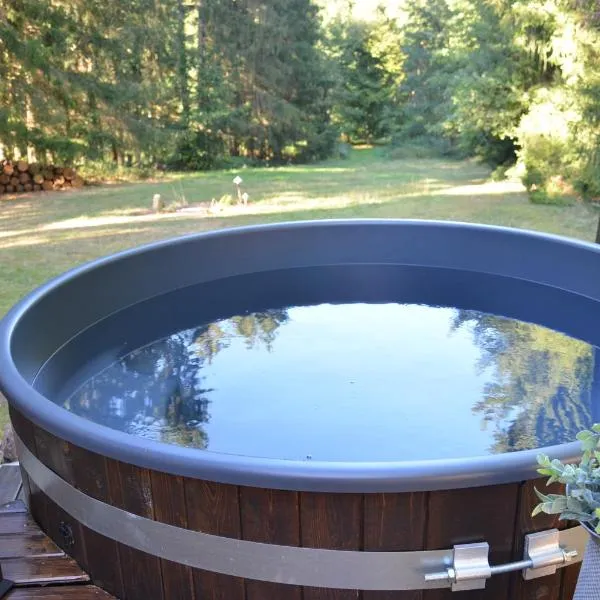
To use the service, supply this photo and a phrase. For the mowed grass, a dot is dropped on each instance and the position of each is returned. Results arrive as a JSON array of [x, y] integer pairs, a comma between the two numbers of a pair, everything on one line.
[[44, 235]]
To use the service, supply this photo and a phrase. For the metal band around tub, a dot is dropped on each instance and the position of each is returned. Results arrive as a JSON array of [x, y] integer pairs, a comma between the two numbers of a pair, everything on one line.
[[463, 567]]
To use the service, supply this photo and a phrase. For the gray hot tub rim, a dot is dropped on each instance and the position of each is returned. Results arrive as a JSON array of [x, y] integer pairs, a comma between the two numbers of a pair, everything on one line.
[[153, 269]]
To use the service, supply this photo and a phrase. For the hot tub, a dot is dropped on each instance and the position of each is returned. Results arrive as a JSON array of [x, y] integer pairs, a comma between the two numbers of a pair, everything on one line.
[[335, 409]]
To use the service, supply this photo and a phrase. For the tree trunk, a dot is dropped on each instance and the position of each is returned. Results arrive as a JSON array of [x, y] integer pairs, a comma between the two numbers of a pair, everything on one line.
[[201, 55], [182, 67], [598, 232]]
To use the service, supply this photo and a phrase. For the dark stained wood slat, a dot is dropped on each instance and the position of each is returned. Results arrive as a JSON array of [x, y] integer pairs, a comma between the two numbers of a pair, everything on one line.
[[168, 494], [471, 515], [331, 521], [214, 508], [64, 592], [394, 523], [89, 471], [67, 532], [11, 523], [54, 453], [270, 517], [32, 544], [130, 489], [42, 570], [36, 500], [544, 588], [10, 483]]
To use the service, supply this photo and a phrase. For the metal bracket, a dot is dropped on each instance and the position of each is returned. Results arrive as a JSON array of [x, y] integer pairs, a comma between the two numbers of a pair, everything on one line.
[[544, 551], [470, 568]]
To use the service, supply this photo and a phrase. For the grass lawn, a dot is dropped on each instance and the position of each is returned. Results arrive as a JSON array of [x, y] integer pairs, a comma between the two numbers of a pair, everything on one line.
[[43, 235]]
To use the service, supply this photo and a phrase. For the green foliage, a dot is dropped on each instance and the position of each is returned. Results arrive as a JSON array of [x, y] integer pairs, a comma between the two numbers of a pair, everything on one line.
[[170, 82], [197, 151], [581, 502], [104, 171], [192, 84], [366, 62]]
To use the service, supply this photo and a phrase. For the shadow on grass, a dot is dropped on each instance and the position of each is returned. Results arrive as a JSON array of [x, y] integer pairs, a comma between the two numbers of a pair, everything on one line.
[[497, 208]]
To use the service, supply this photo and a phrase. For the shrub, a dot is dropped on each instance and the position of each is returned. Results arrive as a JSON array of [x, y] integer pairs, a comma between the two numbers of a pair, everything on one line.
[[200, 150]]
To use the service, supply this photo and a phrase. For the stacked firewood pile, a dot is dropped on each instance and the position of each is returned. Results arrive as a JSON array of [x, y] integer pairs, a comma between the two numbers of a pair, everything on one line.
[[21, 176]]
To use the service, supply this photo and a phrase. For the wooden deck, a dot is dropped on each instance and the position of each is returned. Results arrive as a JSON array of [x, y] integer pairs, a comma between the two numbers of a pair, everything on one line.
[[29, 559]]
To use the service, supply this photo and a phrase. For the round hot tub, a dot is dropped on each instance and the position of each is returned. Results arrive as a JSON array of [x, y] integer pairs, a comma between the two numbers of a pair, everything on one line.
[[335, 409]]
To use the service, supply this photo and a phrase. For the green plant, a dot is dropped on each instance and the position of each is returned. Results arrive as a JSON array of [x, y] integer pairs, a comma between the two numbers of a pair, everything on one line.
[[200, 150], [581, 500]]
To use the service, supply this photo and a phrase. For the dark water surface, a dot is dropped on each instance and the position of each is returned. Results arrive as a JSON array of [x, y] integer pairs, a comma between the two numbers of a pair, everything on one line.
[[351, 382]]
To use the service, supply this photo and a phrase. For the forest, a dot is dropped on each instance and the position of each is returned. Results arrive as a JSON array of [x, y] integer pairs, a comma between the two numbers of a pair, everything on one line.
[[195, 85]]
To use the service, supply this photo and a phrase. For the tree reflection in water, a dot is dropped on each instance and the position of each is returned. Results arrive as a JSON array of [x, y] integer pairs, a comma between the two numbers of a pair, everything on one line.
[[157, 391], [540, 392]]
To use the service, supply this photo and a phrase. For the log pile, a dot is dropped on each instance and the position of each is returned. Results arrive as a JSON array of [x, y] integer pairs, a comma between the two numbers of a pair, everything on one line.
[[21, 176]]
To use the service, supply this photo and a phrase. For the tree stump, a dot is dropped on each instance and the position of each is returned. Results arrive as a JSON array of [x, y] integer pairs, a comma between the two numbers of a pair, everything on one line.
[[157, 203]]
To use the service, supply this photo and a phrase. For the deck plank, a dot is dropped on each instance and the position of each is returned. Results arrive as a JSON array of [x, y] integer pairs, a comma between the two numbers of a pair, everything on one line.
[[30, 544], [18, 506], [17, 522], [42, 570], [10, 483], [71, 592]]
